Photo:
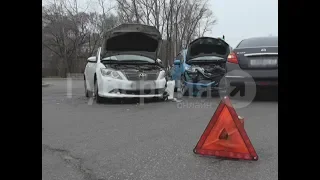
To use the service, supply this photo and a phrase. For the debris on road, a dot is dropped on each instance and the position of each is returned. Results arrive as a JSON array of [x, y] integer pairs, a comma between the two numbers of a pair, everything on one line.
[[176, 100], [45, 84]]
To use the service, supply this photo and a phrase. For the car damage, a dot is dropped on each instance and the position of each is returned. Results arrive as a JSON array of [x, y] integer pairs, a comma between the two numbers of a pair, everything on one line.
[[206, 59]]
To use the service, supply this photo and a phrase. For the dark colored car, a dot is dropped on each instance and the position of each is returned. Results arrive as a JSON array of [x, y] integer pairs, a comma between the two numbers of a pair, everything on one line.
[[254, 60]]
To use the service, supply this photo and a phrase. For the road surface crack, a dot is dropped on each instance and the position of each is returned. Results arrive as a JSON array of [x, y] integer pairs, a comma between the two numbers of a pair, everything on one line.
[[75, 162]]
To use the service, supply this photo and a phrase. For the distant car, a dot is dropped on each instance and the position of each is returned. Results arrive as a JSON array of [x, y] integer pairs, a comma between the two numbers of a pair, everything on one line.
[[256, 57], [201, 66], [126, 66]]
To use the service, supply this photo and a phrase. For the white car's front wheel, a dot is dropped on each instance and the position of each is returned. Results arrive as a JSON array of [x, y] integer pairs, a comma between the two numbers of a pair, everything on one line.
[[96, 94], [85, 88]]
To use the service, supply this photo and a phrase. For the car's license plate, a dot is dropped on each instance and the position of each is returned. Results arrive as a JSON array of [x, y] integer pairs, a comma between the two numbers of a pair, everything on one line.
[[263, 62], [143, 85]]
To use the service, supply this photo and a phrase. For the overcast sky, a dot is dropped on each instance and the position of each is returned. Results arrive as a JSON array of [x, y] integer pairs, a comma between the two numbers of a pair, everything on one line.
[[237, 19]]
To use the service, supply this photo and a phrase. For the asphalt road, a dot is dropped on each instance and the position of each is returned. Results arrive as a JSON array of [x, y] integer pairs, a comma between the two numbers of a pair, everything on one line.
[[148, 141]]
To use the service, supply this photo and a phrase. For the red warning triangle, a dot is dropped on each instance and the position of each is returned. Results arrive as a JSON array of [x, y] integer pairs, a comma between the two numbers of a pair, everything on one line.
[[225, 135]]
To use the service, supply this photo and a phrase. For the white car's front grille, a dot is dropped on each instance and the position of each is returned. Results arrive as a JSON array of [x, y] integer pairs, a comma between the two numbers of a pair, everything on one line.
[[144, 77]]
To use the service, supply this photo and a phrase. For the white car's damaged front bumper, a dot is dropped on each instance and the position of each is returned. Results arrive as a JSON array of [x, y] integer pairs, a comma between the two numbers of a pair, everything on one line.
[[116, 88]]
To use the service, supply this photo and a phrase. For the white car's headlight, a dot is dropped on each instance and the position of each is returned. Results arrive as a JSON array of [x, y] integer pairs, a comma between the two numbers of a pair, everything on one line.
[[110, 73]]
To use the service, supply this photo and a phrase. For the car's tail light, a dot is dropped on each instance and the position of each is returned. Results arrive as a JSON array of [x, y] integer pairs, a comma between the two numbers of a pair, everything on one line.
[[232, 58]]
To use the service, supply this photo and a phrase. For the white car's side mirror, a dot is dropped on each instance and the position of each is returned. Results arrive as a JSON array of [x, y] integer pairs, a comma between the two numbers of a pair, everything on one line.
[[92, 59]]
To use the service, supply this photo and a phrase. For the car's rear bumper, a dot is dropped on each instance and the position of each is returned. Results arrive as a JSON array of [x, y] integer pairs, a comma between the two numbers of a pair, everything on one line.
[[241, 80], [260, 77]]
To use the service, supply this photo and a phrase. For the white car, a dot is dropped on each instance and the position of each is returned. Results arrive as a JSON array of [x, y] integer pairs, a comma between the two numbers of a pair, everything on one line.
[[126, 66]]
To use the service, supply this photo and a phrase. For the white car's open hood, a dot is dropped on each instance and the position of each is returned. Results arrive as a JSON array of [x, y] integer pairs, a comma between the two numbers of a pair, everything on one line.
[[134, 39]]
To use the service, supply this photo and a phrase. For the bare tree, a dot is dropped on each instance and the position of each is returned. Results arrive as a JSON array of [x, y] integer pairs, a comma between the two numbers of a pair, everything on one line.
[[106, 16], [54, 33], [177, 20], [72, 33], [206, 23], [125, 11]]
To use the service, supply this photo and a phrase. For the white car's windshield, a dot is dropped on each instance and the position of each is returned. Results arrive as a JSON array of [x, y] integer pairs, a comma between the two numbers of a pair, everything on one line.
[[129, 58]]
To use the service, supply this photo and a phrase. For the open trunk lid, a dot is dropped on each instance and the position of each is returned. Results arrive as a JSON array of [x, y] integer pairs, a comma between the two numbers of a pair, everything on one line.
[[212, 48], [135, 39]]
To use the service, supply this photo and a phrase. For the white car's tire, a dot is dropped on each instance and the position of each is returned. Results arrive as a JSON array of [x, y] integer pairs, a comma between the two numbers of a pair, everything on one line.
[[85, 88], [96, 94]]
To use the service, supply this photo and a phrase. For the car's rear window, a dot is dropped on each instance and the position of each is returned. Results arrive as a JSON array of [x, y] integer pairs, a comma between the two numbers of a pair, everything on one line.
[[258, 42]]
